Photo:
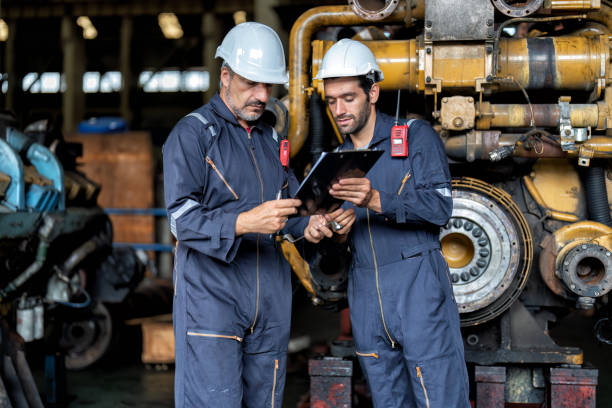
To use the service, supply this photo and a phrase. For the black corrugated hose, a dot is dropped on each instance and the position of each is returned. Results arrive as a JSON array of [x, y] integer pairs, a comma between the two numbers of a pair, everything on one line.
[[597, 195], [316, 126]]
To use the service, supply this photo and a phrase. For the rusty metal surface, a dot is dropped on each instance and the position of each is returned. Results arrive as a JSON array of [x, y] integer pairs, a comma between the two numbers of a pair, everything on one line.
[[521, 10], [445, 20], [572, 388], [330, 382], [490, 384], [457, 112], [516, 338]]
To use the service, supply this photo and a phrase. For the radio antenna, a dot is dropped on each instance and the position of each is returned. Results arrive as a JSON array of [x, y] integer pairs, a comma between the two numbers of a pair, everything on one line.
[[397, 108]]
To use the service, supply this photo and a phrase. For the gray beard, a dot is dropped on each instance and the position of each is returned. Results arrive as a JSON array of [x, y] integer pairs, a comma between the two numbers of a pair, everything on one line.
[[240, 112]]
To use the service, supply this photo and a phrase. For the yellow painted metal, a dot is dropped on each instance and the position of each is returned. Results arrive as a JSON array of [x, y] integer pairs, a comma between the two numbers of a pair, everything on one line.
[[459, 65], [299, 56], [457, 249], [567, 197], [546, 115], [567, 5], [555, 214], [397, 59], [580, 61], [298, 264], [572, 235]]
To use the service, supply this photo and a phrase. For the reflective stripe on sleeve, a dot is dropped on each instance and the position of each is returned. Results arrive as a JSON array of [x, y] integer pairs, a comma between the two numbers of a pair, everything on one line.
[[189, 204]]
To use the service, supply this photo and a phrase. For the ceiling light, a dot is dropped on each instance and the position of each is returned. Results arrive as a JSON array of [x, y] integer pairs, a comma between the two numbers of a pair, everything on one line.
[[89, 31], [170, 26], [3, 30], [240, 17]]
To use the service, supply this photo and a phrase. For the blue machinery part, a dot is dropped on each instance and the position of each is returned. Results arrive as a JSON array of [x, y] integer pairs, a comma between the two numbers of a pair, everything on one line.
[[11, 165], [36, 198]]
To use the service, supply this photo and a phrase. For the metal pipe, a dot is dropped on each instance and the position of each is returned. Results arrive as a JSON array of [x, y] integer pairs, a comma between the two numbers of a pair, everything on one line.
[[572, 62], [477, 145], [299, 41], [566, 5], [545, 115]]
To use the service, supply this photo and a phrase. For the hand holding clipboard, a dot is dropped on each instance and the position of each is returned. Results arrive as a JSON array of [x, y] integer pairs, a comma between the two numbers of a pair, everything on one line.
[[331, 167]]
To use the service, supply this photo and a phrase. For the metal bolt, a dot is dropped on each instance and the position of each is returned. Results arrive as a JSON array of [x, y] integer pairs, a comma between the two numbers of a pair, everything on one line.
[[470, 99], [468, 225], [567, 132], [465, 276], [458, 223], [428, 49], [455, 277], [477, 232], [484, 252], [458, 122], [481, 263], [489, 78], [489, 22], [489, 49], [428, 24], [444, 100], [584, 246], [482, 241], [474, 271], [428, 79], [573, 286]]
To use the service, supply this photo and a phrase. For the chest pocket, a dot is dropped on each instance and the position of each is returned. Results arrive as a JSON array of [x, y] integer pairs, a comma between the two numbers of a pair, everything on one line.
[[211, 136]]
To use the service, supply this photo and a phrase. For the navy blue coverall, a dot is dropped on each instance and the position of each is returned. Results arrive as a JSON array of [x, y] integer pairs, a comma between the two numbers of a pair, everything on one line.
[[404, 317], [232, 303]]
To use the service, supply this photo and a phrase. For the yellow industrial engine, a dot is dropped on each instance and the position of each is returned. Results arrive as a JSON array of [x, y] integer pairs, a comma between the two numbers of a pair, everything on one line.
[[520, 93]]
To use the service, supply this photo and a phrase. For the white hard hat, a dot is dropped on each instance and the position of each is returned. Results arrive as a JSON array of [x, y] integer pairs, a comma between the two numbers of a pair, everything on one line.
[[349, 58], [254, 51]]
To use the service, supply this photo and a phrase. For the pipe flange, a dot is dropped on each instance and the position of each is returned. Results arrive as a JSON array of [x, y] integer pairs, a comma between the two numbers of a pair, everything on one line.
[[467, 249], [587, 270], [493, 270], [518, 11], [370, 12]]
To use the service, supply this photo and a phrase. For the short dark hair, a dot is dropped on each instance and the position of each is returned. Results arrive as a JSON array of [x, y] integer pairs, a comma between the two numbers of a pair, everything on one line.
[[365, 83]]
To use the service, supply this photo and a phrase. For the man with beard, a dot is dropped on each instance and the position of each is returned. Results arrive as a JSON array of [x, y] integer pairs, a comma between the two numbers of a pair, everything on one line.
[[226, 194], [404, 317]]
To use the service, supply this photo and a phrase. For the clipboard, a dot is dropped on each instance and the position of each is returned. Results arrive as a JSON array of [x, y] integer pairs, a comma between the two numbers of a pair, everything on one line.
[[332, 166]]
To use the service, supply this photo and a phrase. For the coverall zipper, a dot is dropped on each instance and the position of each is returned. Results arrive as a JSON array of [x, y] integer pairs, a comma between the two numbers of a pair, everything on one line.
[[420, 375], [212, 164], [262, 200], [382, 314], [404, 180], [274, 384], [220, 336]]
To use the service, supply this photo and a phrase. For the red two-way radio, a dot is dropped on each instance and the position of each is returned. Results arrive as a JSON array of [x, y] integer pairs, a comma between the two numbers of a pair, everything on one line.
[[399, 135], [284, 152]]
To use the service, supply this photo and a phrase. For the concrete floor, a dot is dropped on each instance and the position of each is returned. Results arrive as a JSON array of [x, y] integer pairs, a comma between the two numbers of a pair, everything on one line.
[[122, 381]]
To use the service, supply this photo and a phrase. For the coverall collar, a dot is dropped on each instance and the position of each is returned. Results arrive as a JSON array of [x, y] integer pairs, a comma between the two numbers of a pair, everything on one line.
[[379, 132], [223, 111]]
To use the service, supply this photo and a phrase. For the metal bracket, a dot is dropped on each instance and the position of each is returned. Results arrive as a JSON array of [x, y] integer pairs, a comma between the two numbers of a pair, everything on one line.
[[570, 135]]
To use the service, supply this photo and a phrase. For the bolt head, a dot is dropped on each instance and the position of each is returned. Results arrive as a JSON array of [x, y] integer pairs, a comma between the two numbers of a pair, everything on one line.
[[428, 49], [428, 79]]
